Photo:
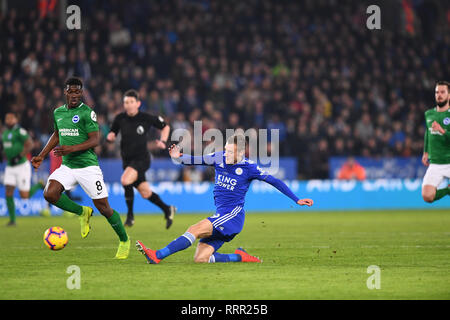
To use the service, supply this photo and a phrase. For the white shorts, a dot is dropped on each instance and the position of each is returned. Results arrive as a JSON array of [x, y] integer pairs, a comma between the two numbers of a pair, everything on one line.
[[18, 176], [89, 178], [435, 174]]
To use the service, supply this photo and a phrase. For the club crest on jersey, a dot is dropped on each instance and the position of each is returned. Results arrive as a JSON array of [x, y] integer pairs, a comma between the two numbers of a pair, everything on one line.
[[239, 171], [140, 130], [75, 119], [93, 116], [447, 121]]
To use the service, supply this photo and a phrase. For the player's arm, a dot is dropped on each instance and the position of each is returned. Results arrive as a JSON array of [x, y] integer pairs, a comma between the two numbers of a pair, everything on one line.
[[159, 123], [92, 141], [51, 143], [112, 135], [437, 127], [27, 146], [281, 186], [425, 149], [284, 189], [23, 148], [179, 157], [162, 142]]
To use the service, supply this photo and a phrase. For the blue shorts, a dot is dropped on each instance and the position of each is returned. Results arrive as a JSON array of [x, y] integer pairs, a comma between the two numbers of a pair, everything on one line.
[[226, 225]]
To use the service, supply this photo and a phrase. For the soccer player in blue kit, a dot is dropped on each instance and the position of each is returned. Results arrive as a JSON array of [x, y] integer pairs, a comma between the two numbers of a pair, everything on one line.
[[233, 175]]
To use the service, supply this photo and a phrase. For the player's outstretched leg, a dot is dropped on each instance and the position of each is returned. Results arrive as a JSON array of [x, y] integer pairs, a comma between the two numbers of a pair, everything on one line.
[[245, 257], [54, 195], [239, 255], [199, 230], [149, 254], [155, 256]]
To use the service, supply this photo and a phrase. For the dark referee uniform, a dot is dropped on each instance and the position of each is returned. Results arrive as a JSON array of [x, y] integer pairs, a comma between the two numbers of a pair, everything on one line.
[[133, 149], [133, 145]]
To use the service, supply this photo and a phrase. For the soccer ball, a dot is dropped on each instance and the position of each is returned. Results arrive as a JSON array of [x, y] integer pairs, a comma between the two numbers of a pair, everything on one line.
[[55, 238]]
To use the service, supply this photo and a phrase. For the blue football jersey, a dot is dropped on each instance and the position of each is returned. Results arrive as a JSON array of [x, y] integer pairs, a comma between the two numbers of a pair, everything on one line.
[[232, 181]]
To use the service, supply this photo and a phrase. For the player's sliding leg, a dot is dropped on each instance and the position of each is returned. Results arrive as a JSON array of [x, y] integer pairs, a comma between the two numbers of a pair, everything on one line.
[[9, 192], [240, 255], [245, 257], [149, 254], [199, 230], [207, 252], [219, 257], [114, 220], [155, 256], [147, 193]]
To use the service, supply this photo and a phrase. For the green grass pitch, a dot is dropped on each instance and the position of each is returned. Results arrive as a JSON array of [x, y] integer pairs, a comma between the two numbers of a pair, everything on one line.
[[320, 255]]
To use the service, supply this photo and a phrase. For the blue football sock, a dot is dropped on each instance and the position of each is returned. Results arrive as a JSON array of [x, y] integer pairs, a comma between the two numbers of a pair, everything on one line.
[[220, 257], [180, 243]]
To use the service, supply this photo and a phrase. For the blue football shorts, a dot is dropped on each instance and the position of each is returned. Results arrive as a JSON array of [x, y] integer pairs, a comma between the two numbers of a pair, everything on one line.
[[226, 225]]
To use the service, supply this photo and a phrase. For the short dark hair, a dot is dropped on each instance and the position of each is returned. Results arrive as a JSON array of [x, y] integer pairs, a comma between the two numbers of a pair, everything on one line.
[[73, 81], [443, 83], [132, 93], [15, 113], [239, 140]]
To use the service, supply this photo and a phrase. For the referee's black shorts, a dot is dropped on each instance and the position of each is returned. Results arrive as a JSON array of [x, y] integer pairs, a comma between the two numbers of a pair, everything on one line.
[[140, 165]]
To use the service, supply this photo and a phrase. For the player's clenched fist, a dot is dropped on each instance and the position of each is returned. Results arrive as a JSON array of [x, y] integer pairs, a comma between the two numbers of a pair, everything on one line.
[[174, 151], [425, 161], [111, 137], [36, 161], [307, 202]]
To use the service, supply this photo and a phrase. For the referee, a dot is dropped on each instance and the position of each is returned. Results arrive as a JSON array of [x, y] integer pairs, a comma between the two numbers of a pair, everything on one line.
[[134, 126]]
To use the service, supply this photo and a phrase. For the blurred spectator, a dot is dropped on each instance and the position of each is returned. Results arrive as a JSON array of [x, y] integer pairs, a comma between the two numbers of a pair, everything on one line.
[[331, 88], [352, 170], [364, 128], [319, 160]]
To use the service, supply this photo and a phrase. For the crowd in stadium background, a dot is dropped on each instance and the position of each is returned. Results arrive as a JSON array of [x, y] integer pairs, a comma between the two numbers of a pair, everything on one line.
[[331, 88]]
